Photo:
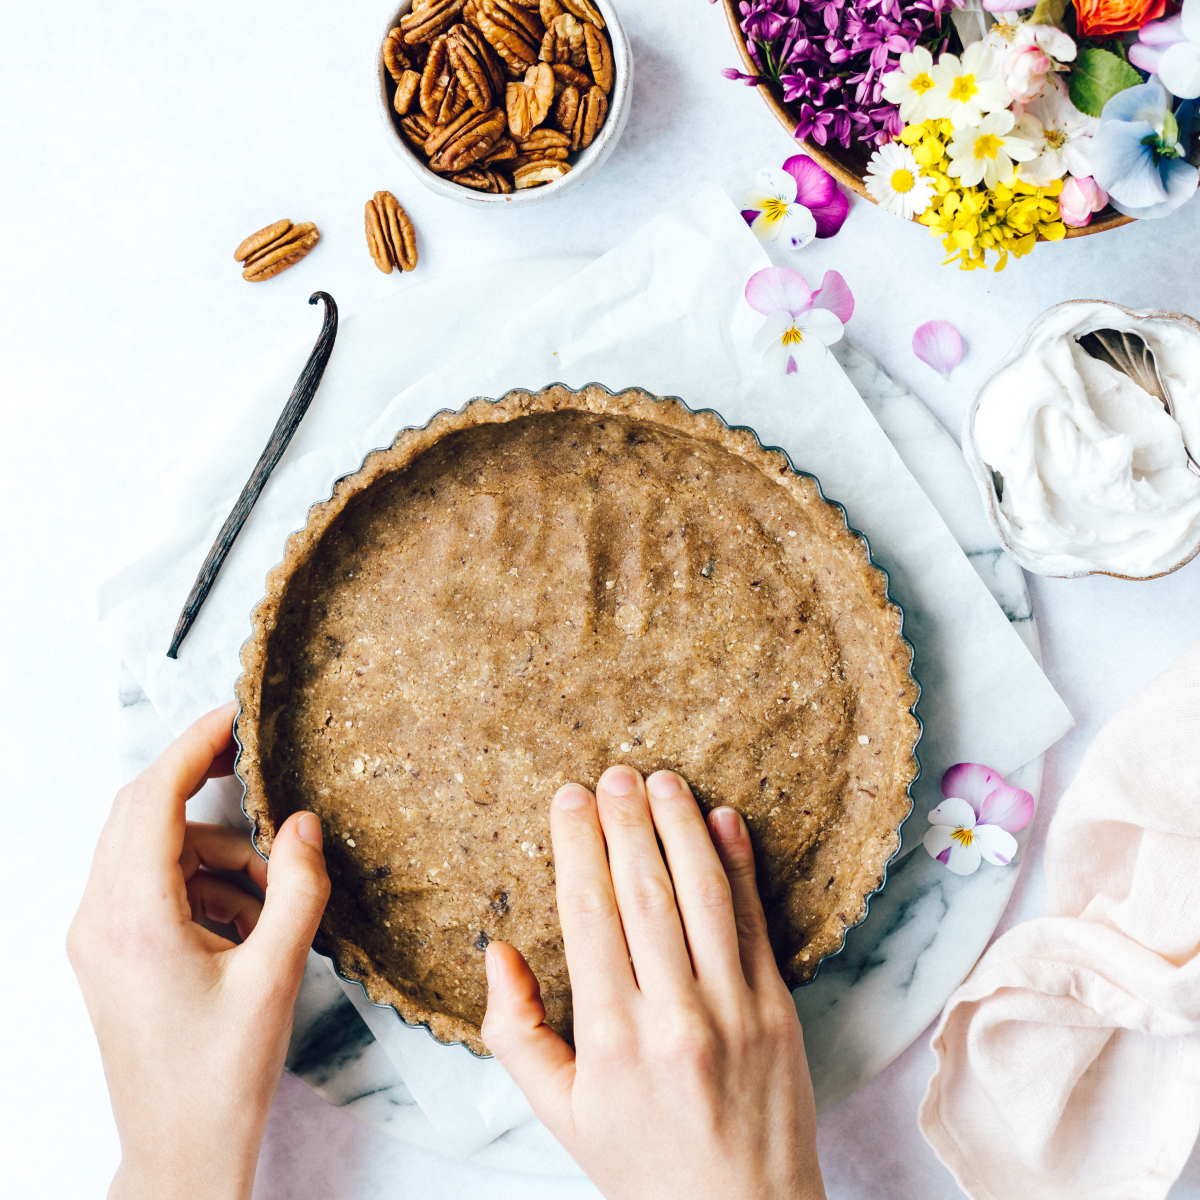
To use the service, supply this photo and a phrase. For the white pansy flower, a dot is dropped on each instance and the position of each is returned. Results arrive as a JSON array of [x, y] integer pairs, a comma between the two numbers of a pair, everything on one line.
[[779, 215]]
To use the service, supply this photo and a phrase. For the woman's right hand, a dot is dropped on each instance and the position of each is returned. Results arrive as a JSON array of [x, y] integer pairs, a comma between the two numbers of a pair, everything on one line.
[[688, 1077]]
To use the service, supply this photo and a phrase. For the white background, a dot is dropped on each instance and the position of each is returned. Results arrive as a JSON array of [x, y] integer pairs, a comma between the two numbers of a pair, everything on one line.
[[139, 143]]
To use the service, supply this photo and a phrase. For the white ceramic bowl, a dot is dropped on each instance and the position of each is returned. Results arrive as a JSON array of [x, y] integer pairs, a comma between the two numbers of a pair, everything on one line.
[[1140, 320], [583, 165]]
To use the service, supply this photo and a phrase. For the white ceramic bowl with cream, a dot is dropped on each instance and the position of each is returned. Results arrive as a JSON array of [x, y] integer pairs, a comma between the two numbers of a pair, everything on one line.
[[1082, 472], [584, 164]]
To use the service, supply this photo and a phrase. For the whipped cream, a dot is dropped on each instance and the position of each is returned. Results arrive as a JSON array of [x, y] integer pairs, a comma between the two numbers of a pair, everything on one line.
[[1089, 467]]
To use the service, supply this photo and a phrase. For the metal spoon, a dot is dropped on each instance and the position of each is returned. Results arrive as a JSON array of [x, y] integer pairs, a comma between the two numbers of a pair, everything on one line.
[[1130, 354]]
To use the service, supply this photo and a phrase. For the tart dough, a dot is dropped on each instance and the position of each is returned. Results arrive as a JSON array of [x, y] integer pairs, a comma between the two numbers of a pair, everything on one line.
[[524, 593]]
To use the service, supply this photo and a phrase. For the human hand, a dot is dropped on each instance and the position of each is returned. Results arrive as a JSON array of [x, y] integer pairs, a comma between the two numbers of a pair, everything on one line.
[[192, 1028], [688, 1077]]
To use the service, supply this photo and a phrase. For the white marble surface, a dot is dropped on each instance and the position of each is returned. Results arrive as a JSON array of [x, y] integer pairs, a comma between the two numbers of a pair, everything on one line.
[[141, 143]]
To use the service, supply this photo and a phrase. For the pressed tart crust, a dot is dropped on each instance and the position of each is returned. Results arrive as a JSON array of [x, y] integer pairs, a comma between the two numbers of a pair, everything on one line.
[[524, 593]]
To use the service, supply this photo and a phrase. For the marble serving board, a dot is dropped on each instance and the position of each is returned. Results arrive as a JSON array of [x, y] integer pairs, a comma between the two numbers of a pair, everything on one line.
[[924, 933]]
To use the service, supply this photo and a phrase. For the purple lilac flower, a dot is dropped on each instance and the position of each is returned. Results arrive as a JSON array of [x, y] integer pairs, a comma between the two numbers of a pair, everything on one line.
[[829, 57]]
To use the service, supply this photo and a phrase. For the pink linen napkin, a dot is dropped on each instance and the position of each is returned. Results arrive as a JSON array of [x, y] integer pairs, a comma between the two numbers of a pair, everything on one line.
[[1068, 1063]]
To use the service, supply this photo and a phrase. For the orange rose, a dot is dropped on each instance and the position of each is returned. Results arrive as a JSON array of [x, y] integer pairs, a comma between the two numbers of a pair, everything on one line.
[[1103, 18]]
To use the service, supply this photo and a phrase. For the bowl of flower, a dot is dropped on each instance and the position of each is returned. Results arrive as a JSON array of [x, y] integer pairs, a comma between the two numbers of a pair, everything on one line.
[[995, 123]]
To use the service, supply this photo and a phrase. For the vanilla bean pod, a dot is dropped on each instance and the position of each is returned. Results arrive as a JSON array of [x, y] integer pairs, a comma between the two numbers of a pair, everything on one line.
[[289, 420]]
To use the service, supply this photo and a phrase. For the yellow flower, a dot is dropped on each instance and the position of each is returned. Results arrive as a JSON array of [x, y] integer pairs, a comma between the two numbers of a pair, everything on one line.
[[1007, 219]]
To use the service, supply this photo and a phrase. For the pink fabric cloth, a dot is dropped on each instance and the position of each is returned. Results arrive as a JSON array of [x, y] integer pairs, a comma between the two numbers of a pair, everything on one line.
[[1068, 1063]]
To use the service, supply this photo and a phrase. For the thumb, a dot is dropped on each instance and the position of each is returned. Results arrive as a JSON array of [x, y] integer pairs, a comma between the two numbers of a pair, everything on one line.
[[541, 1064], [296, 894]]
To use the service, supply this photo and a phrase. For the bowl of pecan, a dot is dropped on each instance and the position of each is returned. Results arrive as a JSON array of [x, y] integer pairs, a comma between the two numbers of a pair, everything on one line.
[[503, 101]]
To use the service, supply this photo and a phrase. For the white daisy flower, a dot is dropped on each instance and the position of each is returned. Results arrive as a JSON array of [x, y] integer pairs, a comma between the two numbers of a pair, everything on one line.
[[910, 85], [986, 151], [967, 88], [895, 181]]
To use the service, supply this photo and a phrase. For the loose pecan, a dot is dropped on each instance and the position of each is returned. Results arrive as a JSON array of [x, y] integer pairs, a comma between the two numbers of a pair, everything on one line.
[[566, 75], [529, 102], [535, 173], [599, 57], [407, 87], [470, 143], [549, 9], [396, 56], [483, 181], [266, 258], [417, 129], [564, 43], [474, 61], [585, 10], [427, 22], [566, 109], [593, 108], [391, 237], [505, 150]]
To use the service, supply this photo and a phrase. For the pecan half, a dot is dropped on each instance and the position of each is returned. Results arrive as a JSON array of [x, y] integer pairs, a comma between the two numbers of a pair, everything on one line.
[[470, 143], [407, 87], [548, 140], [566, 109], [529, 102], [479, 71], [593, 108], [505, 150], [396, 56], [442, 95], [391, 237], [564, 43], [549, 9], [535, 173], [537, 156], [283, 251], [483, 181], [585, 10], [259, 241], [417, 128], [508, 36], [566, 75], [427, 22], [599, 57]]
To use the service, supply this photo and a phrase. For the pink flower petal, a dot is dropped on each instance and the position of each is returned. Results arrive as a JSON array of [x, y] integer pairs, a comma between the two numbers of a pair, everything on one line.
[[776, 289], [995, 844], [972, 782], [1008, 807], [815, 187], [938, 344], [832, 216], [834, 294]]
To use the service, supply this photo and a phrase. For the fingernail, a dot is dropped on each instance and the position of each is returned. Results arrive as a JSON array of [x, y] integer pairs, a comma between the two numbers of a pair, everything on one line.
[[308, 829], [727, 823], [662, 785], [571, 797], [489, 965], [619, 781]]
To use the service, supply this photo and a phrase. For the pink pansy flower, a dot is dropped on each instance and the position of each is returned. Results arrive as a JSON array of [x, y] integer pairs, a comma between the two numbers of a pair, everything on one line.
[[800, 323], [977, 819]]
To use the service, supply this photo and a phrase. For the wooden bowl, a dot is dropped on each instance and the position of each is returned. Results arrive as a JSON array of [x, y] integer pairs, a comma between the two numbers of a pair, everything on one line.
[[849, 166]]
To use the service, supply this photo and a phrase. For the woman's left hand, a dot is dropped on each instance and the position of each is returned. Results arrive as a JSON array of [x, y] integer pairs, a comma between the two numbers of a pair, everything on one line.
[[193, 1028]]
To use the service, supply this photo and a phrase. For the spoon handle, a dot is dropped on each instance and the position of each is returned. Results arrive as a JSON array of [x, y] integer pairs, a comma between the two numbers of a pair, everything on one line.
[[289, 420]]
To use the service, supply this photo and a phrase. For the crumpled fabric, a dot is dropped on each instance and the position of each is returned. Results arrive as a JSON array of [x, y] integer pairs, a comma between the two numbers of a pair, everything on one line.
[[1068, 1062]]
